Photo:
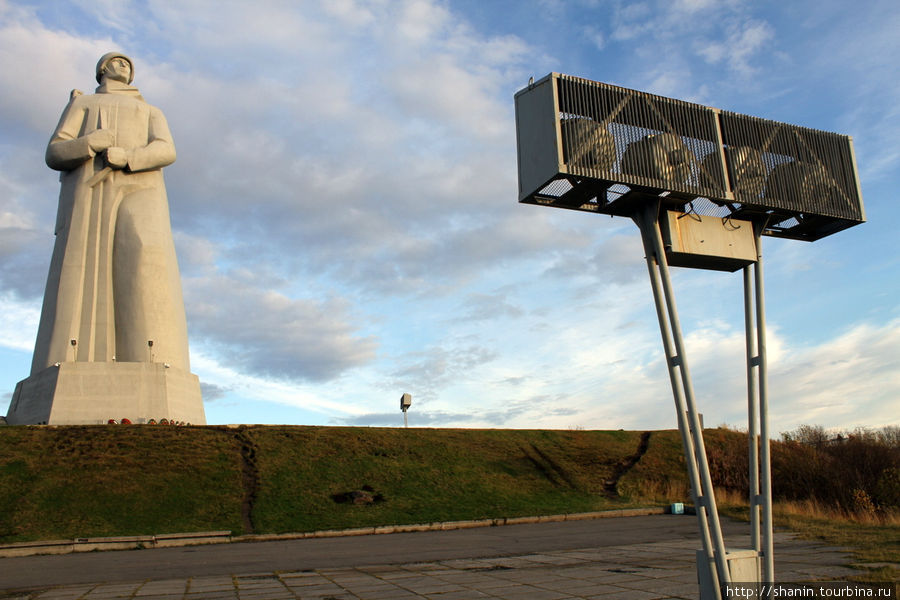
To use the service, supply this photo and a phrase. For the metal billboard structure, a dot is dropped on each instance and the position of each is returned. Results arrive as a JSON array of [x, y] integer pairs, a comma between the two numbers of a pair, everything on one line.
[[703, 185]]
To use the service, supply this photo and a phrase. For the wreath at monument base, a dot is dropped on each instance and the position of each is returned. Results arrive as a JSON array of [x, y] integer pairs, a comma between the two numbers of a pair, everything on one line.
[[164, 421]]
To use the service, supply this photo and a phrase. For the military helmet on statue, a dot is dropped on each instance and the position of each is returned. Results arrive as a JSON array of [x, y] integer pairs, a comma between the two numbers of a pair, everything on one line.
[[101, 64]]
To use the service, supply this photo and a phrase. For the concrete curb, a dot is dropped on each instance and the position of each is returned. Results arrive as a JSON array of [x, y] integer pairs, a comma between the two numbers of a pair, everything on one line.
[[171, 540], [131, 542]]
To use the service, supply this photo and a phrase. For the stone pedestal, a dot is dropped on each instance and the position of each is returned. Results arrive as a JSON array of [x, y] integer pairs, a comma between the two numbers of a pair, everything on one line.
[[79, 393]]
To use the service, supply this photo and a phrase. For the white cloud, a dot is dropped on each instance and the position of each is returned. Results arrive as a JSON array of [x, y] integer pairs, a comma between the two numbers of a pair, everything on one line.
[[693, 6], [488, 307], [350, 12], [18, 324], [743, 43], [596, 37], [851, 380], [40, 67], [262, 390], [262, 331], [419, 22], [115, 14], [846, 381]]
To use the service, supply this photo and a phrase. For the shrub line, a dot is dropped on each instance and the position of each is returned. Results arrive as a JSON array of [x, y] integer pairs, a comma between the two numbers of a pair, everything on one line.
[[172, 540]]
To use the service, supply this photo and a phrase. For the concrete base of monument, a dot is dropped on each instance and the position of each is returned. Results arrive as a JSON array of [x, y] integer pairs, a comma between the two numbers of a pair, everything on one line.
[[85, 393]]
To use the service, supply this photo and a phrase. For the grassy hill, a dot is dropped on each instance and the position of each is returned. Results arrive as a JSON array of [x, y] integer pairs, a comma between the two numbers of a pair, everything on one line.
[[92, 481], [85, 481]]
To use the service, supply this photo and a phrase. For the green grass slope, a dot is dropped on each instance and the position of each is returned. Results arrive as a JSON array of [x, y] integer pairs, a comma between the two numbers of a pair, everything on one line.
[[67, 482], [425, 475]]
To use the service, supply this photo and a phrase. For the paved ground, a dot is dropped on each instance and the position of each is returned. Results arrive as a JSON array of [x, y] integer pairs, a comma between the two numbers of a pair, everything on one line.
[[624, 570]]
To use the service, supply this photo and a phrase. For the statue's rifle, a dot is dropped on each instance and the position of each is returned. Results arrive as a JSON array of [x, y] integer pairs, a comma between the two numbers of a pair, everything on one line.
[[99, 176], [103, 173]]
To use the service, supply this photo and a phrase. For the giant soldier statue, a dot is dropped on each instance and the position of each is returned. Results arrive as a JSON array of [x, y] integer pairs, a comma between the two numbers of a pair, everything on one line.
[[112, 340]]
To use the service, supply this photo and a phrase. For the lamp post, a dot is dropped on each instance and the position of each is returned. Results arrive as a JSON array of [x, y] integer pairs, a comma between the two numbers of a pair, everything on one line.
[[405, 401]]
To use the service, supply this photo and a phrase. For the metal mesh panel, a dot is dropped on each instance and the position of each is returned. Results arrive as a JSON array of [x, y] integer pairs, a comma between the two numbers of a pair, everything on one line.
[[596, 147], [649, 141], [808, 171]]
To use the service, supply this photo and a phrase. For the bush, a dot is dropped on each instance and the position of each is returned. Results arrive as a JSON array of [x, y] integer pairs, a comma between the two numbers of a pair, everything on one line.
[[853, 472], [857, 472]]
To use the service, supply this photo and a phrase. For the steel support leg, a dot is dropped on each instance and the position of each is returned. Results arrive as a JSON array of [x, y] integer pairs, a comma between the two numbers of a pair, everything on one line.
[[679, 375], [760, 473], [752, 408]]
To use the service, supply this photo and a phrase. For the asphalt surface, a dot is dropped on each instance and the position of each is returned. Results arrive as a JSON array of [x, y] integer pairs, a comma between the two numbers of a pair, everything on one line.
[[347, 552], [627, 558]]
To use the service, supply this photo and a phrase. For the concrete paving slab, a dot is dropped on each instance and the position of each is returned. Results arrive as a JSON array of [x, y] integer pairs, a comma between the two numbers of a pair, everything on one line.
[[643, 571]]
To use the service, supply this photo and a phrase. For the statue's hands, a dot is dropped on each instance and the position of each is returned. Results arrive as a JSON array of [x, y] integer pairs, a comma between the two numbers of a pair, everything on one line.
[[116, 157], [101, 139]]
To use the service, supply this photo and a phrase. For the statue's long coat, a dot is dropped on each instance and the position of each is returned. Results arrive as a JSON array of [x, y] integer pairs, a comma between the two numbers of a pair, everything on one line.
[[113, 285]]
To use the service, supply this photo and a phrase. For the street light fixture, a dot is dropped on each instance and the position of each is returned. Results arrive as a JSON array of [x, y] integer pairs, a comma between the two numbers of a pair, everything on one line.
[[405, 402]]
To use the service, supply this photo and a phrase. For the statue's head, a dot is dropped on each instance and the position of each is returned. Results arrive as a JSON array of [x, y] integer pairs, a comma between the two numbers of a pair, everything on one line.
[[115, 65]]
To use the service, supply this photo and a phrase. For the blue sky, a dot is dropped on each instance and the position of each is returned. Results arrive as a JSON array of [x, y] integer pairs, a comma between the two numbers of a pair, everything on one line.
[[345, 215]]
